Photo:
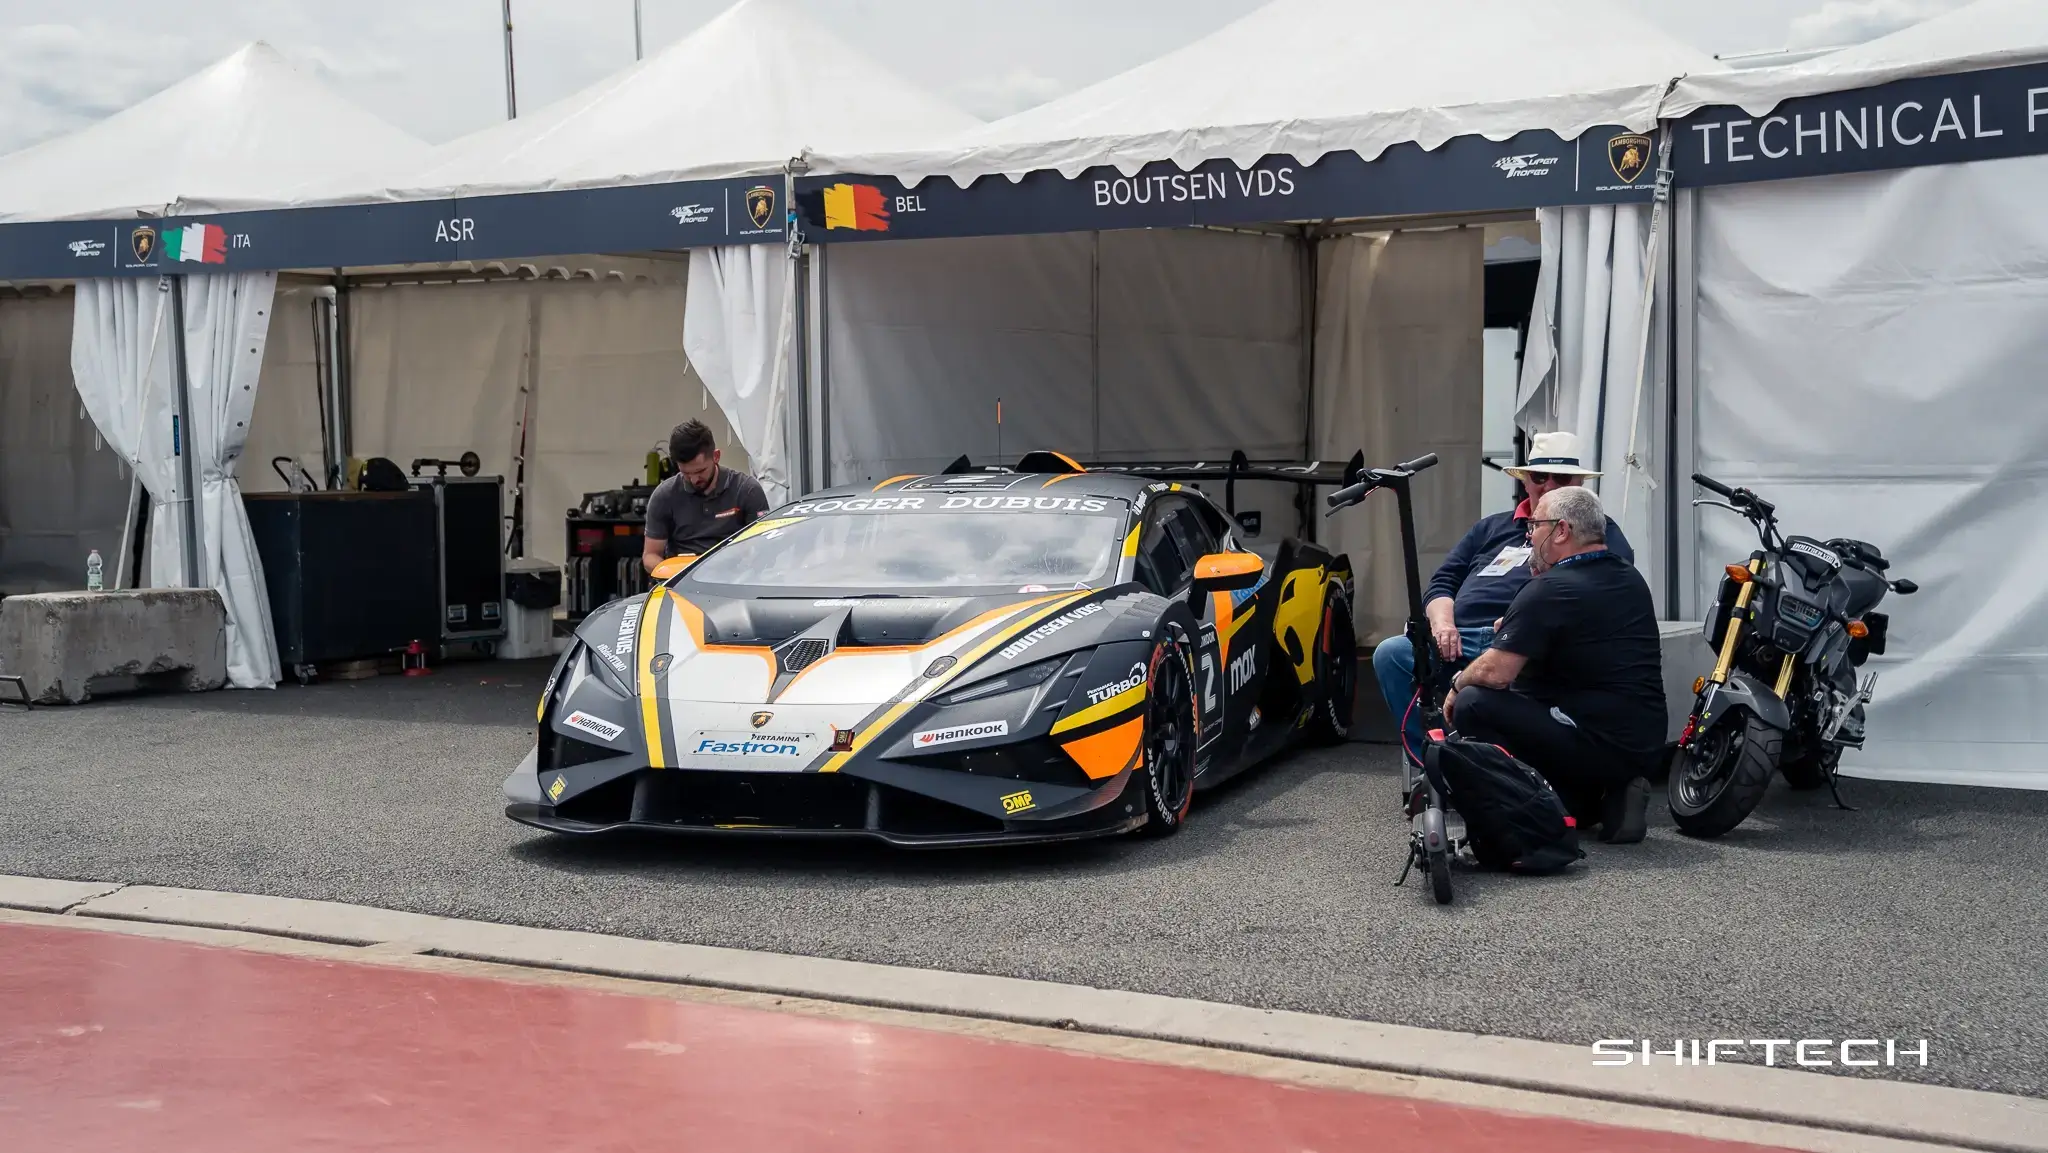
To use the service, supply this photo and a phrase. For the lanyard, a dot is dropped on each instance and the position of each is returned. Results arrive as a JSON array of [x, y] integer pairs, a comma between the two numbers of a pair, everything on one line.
[[1596, 554]]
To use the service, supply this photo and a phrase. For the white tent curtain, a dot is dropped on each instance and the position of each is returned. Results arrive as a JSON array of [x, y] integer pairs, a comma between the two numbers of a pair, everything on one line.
[[63, 491], [1400, 367], [1579, 369], [739, 328], [121, 357], [1871, 355]]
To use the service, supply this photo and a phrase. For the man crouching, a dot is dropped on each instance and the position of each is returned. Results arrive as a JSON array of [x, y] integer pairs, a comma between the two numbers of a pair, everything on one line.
[[1573, 685]]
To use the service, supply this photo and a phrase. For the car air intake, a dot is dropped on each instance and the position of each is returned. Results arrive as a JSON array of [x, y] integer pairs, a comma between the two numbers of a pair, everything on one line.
[[802, 653]]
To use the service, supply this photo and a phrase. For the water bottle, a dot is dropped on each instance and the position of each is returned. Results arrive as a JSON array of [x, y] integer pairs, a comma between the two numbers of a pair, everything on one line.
[[94, 567]]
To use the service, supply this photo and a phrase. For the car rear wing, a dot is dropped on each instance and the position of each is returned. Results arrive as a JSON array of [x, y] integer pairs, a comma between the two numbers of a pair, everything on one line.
[[1306, 475]]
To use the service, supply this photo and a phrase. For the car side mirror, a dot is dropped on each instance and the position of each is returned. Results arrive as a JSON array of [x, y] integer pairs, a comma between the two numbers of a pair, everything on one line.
[[1227, 572], [672, 566]]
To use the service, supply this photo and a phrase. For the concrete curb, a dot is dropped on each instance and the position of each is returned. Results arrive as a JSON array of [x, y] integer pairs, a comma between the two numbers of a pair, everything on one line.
[[41, 896], [1891, 1109]]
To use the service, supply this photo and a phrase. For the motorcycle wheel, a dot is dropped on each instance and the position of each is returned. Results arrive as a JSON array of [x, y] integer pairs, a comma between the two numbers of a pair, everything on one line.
[[1718, 781]]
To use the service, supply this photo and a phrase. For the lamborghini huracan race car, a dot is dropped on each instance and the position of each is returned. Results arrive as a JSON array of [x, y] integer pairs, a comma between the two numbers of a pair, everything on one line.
[[993, 655]]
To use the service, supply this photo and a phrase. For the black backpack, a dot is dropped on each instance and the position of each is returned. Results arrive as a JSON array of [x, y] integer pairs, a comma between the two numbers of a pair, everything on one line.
[[1514, 820]]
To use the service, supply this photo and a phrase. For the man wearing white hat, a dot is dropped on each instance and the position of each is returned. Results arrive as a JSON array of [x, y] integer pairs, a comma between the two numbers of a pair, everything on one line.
[[1479, 579]]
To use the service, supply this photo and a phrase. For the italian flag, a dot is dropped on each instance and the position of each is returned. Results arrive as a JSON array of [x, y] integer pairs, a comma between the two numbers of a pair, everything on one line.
[[205, 243]]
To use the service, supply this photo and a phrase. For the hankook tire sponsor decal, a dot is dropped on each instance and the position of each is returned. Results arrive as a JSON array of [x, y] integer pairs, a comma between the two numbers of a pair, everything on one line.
[[596, 726], [932, 738]]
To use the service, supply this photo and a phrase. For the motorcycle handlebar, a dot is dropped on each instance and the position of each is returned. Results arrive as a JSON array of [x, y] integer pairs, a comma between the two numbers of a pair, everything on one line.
[[1711, 485]]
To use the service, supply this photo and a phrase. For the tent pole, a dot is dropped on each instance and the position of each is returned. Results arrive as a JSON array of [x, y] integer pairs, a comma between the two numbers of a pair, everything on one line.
[[122, 578], [181, 435], [822, 265], [1095, 343], [636, 29], [511, 89], [1310, 291], [1632, 464], [343, 376]]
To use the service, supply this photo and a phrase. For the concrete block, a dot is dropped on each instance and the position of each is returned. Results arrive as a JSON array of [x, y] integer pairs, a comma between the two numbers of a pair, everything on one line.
[[68, 647]]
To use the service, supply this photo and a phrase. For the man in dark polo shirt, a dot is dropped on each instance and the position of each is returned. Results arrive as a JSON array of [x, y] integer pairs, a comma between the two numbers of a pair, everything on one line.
[[702, 504], [1573, 684], [1478, 580]]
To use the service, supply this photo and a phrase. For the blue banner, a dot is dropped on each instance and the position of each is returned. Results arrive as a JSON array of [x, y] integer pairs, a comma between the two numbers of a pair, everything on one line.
[[1470, 173], [634, 219], [1985, 115]]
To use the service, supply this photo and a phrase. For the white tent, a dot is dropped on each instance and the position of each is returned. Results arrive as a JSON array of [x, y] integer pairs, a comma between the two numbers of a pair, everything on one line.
[[1868, 352], [247, 126], [1986, 34], [1303, 78], [751, 89], [1283, 342]]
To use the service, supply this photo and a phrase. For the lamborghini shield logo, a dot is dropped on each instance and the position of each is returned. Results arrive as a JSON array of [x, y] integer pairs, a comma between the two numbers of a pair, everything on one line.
[[142, 242], [760, 205], [660, 663], [762, 718], [1629, 153]]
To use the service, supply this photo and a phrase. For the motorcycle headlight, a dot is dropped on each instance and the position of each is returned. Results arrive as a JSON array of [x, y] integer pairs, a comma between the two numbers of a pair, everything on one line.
[[1027, 677]]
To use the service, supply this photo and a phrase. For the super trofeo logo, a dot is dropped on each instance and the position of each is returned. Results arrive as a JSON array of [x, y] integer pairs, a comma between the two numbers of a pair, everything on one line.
[[932, 738]]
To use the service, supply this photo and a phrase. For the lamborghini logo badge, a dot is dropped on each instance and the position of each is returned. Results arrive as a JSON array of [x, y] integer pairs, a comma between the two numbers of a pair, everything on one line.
[[143, 243], [660, 663], [760, 205], [762, 718], [1629, 153]]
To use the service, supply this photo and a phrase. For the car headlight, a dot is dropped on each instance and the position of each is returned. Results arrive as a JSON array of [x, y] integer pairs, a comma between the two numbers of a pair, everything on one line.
[[600, 665], [1030, 675]]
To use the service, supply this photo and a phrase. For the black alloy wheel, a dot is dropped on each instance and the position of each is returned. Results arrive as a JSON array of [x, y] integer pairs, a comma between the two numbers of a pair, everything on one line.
[[1718, 781], [1169, 739]]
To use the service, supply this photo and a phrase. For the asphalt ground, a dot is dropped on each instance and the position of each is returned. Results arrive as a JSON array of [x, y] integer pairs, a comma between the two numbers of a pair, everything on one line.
[[1922, 914]]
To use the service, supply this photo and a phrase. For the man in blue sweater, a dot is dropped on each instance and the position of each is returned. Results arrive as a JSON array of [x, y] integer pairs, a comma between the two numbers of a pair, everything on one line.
[[1478, 580]]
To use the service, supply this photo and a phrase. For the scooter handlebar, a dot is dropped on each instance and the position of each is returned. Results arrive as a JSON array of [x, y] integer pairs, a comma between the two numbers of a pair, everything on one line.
[[1426, 460], [1350, 494]]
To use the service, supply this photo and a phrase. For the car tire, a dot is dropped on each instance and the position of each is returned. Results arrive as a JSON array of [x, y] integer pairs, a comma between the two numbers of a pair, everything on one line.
[[1169, 741], [1336, 669]]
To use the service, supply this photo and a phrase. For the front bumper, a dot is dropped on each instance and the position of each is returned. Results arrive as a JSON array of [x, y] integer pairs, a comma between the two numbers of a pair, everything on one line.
[[903, 805]]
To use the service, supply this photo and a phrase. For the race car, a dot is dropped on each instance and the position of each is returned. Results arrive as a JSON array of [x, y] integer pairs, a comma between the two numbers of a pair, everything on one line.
[[988, 655]]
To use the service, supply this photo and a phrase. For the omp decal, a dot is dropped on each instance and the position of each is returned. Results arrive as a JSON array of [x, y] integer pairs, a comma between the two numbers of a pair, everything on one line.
[[1018, 802], [1108, 707], [1301, 605], [595, 726], [1017, 647], [556, 787], [1108, 752], [878, 722], [894, 479], [651, 713], [1135, 678], [933, 738]]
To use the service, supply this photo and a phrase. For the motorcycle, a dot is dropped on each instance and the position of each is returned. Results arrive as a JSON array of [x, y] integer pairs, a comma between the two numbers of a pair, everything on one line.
[[1790, 629]]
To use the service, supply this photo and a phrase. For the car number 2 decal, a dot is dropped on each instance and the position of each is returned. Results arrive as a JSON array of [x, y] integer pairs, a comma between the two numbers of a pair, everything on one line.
[[1212, 704]]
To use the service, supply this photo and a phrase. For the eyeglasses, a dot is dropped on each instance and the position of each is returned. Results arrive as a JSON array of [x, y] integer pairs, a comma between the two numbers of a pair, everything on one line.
[[1551, 478], [1533, 522]]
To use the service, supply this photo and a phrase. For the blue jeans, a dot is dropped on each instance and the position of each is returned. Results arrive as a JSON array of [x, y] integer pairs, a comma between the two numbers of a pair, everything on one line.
[[1393, 662]]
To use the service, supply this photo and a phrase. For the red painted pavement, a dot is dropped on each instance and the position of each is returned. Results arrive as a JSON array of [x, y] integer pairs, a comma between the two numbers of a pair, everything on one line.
[[115, 1042]]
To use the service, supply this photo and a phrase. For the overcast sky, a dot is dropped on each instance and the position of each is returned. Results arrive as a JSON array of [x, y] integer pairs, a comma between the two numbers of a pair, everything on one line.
[[435, 68]]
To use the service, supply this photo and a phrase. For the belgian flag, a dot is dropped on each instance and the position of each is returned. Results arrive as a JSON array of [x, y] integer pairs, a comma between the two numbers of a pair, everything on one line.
[[860, 207]]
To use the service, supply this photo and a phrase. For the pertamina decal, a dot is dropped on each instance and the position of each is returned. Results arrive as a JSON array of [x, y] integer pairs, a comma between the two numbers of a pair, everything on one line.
[[933, 738], [595, 726]]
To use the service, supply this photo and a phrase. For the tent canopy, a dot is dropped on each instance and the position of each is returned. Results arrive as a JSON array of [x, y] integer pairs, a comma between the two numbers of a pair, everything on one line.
[[243, 128], [1986, 34], [740, 96], [1304, 78]]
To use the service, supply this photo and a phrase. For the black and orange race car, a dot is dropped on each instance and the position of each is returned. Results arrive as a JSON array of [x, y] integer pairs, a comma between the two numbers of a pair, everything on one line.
[[986, 655]]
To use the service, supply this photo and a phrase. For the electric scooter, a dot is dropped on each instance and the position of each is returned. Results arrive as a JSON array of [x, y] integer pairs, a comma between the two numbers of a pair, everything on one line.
[[1436, 834]]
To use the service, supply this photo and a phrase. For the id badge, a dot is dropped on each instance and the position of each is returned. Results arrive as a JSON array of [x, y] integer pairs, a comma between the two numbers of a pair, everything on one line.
[[1510, 558]]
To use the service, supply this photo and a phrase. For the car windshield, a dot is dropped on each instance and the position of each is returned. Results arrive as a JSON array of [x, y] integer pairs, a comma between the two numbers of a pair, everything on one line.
[[902, 550]]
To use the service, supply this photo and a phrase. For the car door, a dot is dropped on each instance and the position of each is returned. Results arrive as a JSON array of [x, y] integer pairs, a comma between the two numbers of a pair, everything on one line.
[[1175, 536]]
